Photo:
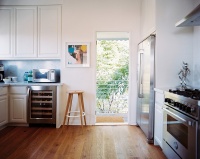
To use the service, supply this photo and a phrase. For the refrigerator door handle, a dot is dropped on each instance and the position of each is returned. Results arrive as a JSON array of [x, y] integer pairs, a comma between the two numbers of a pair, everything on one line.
[[140, 92]]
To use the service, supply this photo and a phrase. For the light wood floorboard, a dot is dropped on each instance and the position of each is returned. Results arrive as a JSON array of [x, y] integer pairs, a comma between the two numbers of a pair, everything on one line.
[[73, 142]]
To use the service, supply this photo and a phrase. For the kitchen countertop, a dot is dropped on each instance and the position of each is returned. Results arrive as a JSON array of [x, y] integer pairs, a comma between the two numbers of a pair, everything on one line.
[[29, 84], [161, 90], [3, 84]]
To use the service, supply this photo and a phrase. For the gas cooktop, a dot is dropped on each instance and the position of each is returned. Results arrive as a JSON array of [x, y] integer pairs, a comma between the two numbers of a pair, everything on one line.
[[191, 93], [186, 101]]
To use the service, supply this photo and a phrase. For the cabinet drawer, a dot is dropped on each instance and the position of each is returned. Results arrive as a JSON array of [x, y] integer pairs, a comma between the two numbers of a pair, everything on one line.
[[159, 98], [3, 90], [18, 89]]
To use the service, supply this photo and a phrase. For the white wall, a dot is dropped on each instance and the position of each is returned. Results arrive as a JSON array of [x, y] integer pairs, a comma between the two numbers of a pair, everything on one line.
[[173, 45], [148, 18], [196, 3], [81, 20], [196, 66], [196, 58]]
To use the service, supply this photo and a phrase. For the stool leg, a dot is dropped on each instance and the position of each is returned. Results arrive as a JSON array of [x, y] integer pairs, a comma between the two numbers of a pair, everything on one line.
[[81, 111], [83, 108], [67, 107]]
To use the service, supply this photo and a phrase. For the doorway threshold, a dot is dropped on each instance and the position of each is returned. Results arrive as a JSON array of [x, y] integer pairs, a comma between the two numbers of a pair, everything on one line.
[[110, 124]]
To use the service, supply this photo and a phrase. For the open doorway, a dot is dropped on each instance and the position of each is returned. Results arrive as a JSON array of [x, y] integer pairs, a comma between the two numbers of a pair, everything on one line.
[[112, 74]]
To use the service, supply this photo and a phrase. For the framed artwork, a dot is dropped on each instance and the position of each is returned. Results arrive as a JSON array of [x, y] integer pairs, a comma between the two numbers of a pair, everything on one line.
[[77, 54]]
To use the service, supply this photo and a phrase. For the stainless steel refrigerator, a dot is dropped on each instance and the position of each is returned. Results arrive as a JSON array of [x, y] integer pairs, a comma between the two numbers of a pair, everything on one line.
[[146, 83]]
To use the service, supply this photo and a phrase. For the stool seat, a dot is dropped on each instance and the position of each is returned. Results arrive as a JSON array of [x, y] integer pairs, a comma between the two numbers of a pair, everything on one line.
[[69, 105], [75, 91]]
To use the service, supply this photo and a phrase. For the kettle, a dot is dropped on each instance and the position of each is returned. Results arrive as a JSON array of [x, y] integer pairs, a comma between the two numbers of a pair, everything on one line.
[[1, 77], [1, 72]]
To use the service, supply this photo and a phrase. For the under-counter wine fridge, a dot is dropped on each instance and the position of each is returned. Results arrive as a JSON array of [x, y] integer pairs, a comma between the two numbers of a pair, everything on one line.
[[42, 105]]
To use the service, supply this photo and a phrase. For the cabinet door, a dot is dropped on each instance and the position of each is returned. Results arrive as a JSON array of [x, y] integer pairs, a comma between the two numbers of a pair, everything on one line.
[[3, 110], [25, 32], [49, 25], [6, 31], [18, 108], [158, 124]]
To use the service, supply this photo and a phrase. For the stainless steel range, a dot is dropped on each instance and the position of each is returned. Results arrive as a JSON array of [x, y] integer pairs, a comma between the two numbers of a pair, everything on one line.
[[181, 132]]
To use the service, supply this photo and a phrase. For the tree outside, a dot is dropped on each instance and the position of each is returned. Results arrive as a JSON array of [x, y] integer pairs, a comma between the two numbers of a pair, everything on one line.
[[112, 76]]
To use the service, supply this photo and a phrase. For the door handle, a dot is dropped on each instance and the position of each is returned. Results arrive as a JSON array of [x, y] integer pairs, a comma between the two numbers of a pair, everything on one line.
[[140, 82], [167, 110]]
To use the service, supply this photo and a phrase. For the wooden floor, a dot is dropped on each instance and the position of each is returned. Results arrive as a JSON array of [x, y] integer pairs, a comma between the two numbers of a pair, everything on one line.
[[72, 142]]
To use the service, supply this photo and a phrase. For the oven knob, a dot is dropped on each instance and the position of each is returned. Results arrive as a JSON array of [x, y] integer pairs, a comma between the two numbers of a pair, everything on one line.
[[188, 110], [189, 123], [176, 104], [176, 145], [171, 101], [180, 106], [184, 107], [192, 109], [168, 100]]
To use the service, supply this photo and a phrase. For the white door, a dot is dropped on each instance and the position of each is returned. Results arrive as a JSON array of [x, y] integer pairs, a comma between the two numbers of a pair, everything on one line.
[[112, 74]]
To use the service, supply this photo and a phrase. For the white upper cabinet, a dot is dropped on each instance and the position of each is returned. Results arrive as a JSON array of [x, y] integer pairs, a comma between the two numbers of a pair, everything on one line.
[[30, 32], [25, 32], [49, 31], [6, 31]]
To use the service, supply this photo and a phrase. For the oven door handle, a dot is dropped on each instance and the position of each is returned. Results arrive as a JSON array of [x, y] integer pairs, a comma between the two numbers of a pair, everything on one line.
[[167, 109]]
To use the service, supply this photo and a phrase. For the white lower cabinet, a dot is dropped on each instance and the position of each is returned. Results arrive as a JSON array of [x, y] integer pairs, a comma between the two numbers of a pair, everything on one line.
[[3, 110], [3, 105], [18, 104], [158, 122], [18, 111]]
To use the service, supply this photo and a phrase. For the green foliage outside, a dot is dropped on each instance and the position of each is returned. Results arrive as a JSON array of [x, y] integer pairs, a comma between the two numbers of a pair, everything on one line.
[[112, 76]]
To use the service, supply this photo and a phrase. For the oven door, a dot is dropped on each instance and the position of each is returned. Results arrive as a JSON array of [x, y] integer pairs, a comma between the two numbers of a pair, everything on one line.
[[180, 133]]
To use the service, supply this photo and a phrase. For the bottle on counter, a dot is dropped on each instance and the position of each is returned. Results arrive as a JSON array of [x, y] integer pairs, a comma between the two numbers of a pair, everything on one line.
[[30, 76], [26, 77]]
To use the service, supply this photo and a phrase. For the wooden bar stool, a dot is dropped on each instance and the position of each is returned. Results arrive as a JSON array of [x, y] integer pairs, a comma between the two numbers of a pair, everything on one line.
[[81, 111]]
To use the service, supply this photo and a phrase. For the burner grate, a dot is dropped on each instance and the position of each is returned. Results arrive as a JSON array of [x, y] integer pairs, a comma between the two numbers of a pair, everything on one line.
[[194, 94]]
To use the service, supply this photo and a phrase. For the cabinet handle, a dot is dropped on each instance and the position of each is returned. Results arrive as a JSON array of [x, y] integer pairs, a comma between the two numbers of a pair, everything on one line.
[[176, 145]]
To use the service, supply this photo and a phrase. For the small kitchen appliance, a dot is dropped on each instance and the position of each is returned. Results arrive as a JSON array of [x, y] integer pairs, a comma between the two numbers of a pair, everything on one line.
[[45, 75], [181, 130], [1, 72]]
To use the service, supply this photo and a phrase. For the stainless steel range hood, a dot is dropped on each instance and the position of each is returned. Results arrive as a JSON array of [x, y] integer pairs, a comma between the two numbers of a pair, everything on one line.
[[192, 19]]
